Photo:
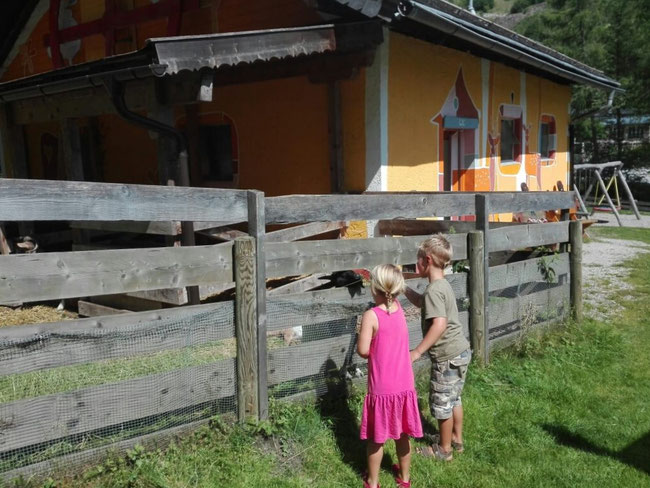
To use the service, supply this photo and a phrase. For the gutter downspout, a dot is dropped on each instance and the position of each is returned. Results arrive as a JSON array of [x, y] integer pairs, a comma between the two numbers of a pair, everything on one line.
[[471, 7], [116, 92]]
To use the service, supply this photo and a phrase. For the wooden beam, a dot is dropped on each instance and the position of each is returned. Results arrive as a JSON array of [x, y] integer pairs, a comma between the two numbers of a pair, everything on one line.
[[630, 197], [483, 209], [401, 205], [57, 344], [477, 296], [69, 200], [302, 231], [155, 228], [52, 417], [601, 183], [298, 286], [575, 238], [335, 130], [257, 229], [306, 257], [528, 235], [528, 271], [48, 276], [90, 309], [246, 328]]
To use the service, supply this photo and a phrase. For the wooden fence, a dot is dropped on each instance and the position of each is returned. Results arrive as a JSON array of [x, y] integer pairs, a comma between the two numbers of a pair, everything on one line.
[[242, 380]]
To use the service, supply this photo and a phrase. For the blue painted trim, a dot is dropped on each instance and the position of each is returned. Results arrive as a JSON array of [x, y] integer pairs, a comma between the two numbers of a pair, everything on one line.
[[459, 123]]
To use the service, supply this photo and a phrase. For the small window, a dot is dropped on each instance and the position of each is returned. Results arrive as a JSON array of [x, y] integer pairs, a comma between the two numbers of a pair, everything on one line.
[[510, 144], [216, 153], [547, 139], [635, 132]]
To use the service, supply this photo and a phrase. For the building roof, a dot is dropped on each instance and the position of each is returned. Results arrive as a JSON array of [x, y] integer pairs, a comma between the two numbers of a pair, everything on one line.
[[442, 22], [171, 55]]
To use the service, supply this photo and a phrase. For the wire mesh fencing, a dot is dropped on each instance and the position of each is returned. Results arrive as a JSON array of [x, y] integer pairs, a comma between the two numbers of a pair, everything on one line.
[[68, 391]]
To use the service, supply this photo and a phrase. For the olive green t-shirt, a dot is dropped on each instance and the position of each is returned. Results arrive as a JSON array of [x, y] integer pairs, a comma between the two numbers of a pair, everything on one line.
[[439, 301]]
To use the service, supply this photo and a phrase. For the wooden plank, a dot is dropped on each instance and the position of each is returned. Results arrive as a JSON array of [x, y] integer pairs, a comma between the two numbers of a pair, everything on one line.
[[299, 258], [313, 208], [4, 244], [246, 328], [505, 341], [334, 352], [613, 164], [223, 233], [483, 209], [630, 197], [89, 309], [257, 229], [299, 285], [33, 277], [477, 295], [322, 306], [527, 271], [156, 228], [507, 311], [404, 205], [528, 235], [575, 232], [410, 227], [302, 231], [70, 200], [28, 348], [52, 417], [601, 183]]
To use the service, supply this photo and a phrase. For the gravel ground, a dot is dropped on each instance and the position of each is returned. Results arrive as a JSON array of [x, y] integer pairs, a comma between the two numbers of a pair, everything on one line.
[[603, 273]]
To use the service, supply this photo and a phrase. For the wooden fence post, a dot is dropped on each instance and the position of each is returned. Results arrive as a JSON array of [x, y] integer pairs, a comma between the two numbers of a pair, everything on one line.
[[575, 268], [475, 250], [257, 229], [246, 327], [483, 225]]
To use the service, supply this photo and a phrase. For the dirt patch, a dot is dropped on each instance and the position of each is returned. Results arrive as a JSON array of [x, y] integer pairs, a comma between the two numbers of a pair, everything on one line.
[[603, 273]]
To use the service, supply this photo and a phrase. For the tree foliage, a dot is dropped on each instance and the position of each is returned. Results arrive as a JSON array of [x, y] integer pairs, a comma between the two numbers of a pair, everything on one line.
[[610, 35]]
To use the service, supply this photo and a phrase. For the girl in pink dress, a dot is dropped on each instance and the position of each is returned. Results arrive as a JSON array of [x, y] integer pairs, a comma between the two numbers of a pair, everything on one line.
[[390, 409]]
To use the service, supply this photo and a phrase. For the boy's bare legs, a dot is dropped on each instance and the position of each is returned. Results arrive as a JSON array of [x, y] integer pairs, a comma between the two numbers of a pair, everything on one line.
[[457, 434], [403, 448], [446, 429], [375, 454]]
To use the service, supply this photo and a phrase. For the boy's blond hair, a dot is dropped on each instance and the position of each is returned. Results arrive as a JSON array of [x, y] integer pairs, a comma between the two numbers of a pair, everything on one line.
[[439, 248], [387, 280]]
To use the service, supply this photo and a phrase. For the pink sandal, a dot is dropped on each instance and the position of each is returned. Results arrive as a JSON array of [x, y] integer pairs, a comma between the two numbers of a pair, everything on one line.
[[365, 482], [400, 482]]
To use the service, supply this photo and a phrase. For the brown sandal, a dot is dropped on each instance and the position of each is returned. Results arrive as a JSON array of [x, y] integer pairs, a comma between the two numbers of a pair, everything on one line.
[[435, 439], [435, 451]]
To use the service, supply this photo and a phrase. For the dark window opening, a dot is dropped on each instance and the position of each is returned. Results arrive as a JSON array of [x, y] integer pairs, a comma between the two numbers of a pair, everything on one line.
[[510, 144], [216, 153]]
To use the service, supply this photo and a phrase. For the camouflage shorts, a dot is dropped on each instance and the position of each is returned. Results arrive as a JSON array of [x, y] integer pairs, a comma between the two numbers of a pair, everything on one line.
[[447, 381]]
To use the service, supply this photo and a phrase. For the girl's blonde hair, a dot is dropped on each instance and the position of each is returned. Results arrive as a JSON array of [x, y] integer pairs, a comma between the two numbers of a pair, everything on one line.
[[387, 280], [439, 248]]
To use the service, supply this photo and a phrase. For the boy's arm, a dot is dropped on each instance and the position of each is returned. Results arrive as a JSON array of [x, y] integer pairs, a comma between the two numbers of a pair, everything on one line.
[[369, 325], [433, 334], [414, 297]]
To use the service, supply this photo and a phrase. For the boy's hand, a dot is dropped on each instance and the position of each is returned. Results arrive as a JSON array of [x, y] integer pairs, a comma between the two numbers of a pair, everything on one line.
[[414, 355]]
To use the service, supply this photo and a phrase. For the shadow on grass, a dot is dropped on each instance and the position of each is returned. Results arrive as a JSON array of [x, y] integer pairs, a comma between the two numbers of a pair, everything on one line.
[[334, 406], [637, 454]]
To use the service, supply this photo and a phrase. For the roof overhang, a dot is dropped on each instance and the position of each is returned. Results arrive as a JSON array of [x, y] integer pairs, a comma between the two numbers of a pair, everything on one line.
[[217, 52], [444, 20]]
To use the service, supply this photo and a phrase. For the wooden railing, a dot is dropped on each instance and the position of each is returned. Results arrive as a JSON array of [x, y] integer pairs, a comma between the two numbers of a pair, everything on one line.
[[249, 372]]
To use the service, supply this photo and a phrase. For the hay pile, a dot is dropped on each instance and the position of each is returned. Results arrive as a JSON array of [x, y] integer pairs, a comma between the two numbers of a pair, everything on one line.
[[33, 315]]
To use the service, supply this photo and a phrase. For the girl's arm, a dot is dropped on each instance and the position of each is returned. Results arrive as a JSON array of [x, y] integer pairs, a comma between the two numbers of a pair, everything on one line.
[[369, 327], [433, 334], [414, 297]]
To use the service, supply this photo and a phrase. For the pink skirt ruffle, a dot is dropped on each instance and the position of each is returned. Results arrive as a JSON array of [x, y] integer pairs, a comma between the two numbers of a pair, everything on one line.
[[389, 416]]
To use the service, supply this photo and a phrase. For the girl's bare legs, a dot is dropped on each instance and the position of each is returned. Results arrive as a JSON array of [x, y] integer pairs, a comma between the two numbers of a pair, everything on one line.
[[458, 424], [375, 454], [403, 447]]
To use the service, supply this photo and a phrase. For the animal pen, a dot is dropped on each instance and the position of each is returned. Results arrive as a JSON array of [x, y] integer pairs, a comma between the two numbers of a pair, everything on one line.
[[72, 391]]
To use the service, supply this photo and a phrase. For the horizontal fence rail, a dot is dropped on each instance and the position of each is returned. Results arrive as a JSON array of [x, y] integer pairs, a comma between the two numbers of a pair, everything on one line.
[[22, 200], [297, 258], [47, 276], [311, 208]]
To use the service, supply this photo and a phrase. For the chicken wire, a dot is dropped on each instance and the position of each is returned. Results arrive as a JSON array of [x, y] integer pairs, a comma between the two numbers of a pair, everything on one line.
[[151, 377]]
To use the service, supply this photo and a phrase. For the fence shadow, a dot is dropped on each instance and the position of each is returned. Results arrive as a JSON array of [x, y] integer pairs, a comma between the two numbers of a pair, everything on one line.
[[333, 405], [635, 454]]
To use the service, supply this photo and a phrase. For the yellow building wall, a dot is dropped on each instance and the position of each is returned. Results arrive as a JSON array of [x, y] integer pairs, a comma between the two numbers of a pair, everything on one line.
[[420, 76]]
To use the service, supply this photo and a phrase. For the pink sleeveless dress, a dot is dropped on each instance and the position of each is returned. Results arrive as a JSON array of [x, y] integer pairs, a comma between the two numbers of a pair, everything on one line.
[[390, 408]]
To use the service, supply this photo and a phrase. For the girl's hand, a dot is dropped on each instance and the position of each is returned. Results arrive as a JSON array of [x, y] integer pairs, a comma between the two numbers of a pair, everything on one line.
[[414, 355]]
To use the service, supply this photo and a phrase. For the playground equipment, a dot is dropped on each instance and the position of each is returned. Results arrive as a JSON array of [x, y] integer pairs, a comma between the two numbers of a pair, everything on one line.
[[597, 170]]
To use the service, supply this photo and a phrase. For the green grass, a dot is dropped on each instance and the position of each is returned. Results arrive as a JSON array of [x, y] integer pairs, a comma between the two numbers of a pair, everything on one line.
[[569, 409]]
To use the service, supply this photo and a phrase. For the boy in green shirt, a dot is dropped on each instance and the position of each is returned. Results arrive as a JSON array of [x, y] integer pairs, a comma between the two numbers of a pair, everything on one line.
[[443, 339]]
